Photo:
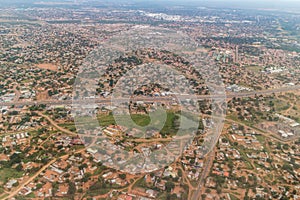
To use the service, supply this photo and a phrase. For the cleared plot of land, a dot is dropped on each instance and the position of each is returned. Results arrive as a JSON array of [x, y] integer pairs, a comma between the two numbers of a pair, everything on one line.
[[48, 66], [42, 96], [254, 68]]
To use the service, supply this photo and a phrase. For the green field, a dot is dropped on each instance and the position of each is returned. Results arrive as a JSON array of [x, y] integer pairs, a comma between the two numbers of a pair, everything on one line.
[[70, 126], [280, 105], [168, 125], [9, 173], [166, 122], [141, 120]]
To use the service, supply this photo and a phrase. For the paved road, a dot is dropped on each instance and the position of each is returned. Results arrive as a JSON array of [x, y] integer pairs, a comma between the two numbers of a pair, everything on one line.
[[150, 99], [206, 169]]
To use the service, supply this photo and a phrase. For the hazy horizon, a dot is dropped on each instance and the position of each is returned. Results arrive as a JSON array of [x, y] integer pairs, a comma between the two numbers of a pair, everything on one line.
[[252, 4]]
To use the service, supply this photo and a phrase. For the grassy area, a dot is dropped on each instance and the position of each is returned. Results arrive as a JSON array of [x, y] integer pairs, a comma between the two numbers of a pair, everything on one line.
[[233, 197], [280, 105], [100, 191], [9, 173], [169, 126], [246, 123], [162, 196], [254, 68], [86, 122], [106, 120], [139, 119], [30, 196], [249, 166], [70, 126], [260, 138], [269, 177], [140, 183], [167, 122], [235, 118], [2, 196], [294, 113], [194, 183], [244, 157]]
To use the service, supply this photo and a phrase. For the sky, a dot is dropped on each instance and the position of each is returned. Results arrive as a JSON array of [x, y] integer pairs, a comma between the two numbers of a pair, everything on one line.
[[251, 4], [263, 3], [260, 4]]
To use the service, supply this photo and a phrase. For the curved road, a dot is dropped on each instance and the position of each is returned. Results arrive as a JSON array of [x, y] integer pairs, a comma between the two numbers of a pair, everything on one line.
[[53, 123]]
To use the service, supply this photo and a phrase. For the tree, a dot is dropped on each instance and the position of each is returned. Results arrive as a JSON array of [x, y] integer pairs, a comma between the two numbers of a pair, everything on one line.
[[179, 173], [169, 186], [224, 140], [72, 188], [19, 167], [81, 167], [287, 167], [219, 190], [192, 161], [15, 158], [86, 177], [15, 184], [54, 188], [171, 196], [122, 176]]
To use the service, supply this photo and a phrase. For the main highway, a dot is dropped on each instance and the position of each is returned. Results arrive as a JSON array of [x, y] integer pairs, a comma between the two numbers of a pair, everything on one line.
[[150, 99]]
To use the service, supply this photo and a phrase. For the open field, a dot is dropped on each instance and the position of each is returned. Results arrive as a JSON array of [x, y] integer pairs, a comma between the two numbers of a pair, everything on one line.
[[9, 173], [48, 66]]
